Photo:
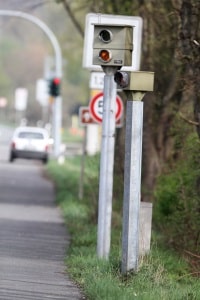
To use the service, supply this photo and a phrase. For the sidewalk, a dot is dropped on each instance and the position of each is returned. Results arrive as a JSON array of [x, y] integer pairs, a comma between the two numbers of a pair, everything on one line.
[[33, 238]]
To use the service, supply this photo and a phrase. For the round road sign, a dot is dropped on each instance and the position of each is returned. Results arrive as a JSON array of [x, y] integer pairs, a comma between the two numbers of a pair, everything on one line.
[[96, 107]]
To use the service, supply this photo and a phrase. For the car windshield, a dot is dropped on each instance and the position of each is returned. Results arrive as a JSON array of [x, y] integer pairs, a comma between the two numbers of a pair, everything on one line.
[[31, 135]]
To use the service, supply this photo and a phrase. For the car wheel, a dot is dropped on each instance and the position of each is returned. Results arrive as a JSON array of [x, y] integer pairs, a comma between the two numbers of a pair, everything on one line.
[[11, 159], [45, 160]]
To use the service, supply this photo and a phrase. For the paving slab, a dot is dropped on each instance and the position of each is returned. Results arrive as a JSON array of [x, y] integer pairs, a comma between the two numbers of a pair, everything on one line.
[[33, 237]]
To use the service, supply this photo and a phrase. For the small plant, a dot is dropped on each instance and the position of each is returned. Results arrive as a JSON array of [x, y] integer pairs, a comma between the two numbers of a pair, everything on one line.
[[177, 204]]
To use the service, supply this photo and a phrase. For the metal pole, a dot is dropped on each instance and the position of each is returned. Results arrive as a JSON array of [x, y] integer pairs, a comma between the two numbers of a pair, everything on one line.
[[132, 185], [106, 165], [58, 69], [83, 156]]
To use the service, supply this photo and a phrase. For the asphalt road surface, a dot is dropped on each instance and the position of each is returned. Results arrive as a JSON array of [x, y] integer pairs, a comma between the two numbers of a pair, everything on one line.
[[33, 237]]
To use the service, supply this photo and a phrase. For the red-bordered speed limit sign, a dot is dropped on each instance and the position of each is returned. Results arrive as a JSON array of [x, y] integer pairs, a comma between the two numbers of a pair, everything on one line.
[[96, 107]]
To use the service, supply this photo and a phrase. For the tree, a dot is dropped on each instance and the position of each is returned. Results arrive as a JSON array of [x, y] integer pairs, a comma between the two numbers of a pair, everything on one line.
[[177, 75], [170, 49]]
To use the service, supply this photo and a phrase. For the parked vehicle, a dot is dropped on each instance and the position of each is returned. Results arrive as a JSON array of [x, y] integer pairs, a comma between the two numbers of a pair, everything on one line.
[[30, 143]]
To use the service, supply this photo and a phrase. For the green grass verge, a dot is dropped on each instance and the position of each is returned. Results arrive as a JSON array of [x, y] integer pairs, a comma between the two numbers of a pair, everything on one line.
[[72, 136], [162, 275]]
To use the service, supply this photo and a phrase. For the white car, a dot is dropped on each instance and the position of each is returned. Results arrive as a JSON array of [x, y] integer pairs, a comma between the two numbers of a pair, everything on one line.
[[30, 143]]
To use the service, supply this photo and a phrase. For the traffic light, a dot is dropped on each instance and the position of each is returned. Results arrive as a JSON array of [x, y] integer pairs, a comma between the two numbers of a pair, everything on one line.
[[54, 87], [135, 81], [112, 45]]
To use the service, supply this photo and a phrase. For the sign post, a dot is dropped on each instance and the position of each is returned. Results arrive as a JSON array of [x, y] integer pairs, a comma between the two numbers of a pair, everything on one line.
[[106, 167]]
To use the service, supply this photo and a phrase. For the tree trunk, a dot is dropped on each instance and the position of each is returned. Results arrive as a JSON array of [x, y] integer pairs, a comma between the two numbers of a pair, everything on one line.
[[190, 53]]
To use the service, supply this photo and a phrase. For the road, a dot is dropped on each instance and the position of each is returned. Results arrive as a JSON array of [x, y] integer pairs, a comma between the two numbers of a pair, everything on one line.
[[33, 237]]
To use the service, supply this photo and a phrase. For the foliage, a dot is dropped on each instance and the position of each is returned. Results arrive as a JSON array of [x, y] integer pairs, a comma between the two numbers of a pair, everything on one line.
[[5, 80], [177, 205], [24, 49], [170, 48], [162, 275]]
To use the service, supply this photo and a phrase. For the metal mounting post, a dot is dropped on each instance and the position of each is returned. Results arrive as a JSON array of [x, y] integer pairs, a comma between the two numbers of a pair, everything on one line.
[[106, 164], [132, 182]]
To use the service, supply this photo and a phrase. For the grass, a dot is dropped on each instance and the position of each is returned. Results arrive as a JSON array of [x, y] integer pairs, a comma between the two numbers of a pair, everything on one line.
[[72, 135], [162, 275]]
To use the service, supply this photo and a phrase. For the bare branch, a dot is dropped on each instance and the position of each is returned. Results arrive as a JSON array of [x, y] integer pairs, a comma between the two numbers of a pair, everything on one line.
[[188, 121], [71, 15]]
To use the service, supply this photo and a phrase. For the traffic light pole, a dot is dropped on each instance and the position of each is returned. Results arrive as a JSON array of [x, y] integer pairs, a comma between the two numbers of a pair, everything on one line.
[[57, 110], [106, 164]]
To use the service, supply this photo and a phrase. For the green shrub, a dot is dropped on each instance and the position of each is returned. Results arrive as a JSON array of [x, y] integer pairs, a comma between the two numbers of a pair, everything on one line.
[[177, 201]]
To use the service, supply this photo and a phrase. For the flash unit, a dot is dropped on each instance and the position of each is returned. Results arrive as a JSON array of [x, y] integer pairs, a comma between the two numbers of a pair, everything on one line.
[[122, 79]]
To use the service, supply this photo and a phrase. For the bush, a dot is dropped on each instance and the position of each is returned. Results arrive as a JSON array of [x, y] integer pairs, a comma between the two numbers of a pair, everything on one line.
[[177, 201]]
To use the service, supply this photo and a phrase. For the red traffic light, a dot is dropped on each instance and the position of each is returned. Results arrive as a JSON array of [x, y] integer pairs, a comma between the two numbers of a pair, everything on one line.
[[54, 87], [56, 81]]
